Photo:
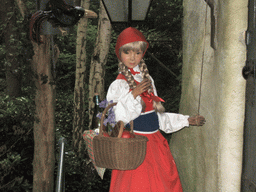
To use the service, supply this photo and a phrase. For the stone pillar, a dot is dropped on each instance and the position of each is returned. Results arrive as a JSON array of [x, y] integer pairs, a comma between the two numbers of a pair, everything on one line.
[[209, 158]]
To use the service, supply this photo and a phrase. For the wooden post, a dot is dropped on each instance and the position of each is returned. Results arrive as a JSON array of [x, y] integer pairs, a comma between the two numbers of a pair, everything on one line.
[[44, 125], [79, 91], [99, 60]]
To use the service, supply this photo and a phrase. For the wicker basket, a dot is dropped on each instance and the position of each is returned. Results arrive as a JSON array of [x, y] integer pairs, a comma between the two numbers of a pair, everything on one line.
[[116, 152]]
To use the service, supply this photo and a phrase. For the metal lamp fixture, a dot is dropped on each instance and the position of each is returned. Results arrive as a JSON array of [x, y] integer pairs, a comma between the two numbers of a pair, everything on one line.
[[127, 11]]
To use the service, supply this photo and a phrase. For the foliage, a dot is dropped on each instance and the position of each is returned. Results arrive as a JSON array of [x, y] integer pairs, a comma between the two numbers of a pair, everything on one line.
[[17, 114], [16, 143], [23, 46]]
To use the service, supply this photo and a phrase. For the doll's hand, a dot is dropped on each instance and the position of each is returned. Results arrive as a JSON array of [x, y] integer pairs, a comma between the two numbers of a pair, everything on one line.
[[196, 120], [141, 87]]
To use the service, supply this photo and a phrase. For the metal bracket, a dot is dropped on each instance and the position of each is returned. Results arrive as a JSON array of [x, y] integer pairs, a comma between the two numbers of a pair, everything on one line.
[[249, 69], [212, 6]]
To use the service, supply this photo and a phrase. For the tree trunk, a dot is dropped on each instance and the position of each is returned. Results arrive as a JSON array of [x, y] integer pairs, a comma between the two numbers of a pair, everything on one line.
[[99, 59], [79, 91], [13, 74], [44, 131]]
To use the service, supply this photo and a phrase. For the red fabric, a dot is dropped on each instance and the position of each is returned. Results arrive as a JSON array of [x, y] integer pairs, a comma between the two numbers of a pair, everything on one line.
[[133, 72], [129, 35], [147, 98], [151, 96], [158, 172]]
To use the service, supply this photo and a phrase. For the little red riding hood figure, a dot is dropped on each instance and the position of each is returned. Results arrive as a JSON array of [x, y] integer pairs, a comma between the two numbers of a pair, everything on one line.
[[137, 100]]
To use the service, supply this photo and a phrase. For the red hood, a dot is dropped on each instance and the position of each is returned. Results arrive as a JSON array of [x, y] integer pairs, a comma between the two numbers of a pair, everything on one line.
[[127, 36]]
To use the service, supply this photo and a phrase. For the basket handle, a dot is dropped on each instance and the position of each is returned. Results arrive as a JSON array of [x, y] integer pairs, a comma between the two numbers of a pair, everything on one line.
[[122, 128], [121, 122]]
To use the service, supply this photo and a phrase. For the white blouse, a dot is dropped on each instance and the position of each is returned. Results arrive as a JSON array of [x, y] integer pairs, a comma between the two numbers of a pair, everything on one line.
[[128, 108]]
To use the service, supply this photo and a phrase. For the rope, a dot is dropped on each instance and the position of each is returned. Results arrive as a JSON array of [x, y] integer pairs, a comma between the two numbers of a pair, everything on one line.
[[202, 64]]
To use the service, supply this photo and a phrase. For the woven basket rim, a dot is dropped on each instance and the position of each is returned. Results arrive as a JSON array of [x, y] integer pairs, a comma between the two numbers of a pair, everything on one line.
[[135, 139]]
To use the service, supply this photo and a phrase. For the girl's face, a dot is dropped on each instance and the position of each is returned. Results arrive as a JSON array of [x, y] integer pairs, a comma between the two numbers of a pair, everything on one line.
[[131, 58]]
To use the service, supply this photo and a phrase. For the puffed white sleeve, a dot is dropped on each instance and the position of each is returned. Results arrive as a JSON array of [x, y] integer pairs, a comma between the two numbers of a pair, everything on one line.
[[127, 107], [171, 122]]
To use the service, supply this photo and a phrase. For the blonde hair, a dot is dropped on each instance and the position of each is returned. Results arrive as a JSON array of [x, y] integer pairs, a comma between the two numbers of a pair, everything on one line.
[[122, 68], [135, 46]]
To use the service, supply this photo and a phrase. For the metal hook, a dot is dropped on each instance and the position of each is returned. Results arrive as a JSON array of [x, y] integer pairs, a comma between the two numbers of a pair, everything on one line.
[[248, 69]]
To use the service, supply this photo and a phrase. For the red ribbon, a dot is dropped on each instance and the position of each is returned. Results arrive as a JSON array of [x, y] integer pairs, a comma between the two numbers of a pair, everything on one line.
[[133, 72], [151, 97]]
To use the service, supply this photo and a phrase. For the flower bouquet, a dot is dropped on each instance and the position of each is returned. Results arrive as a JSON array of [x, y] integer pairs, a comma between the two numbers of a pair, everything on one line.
[[109, 118]]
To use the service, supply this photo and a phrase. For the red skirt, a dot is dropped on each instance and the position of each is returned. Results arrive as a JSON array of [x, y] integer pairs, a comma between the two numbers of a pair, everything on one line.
[[157, 173]]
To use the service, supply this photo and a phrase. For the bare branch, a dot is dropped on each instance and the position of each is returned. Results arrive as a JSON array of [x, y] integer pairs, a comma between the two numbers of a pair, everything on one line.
[[22, 7]]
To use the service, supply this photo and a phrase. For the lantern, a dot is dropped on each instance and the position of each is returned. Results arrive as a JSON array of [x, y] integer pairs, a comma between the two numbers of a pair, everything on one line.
[[127, 11]]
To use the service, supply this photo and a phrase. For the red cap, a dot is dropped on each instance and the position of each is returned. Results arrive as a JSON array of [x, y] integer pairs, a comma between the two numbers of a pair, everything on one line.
[[129, 35]]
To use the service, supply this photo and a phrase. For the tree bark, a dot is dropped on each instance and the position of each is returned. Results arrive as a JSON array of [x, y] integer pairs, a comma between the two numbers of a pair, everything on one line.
[[99, 59], [79, 91], [44, 125]]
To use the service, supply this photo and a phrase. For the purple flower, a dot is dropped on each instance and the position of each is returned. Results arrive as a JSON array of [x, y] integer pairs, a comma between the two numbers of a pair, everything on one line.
[[110, 111], [110, 116], [105, 122], [99, 115], [103, 104], [111, 119]]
